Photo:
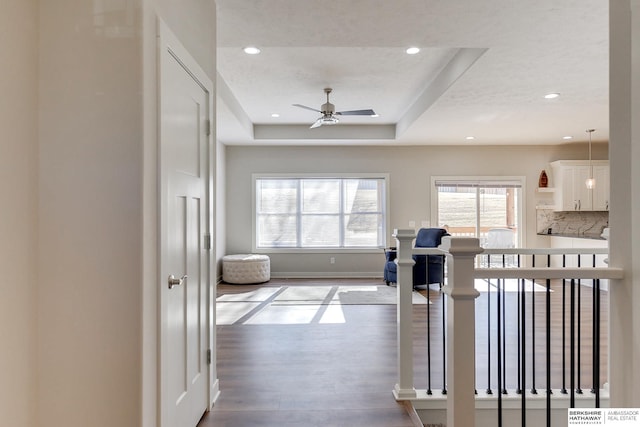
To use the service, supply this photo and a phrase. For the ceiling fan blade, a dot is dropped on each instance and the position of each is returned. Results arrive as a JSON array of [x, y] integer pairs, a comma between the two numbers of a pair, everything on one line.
[[356, 113], [307, 108], [318, 123]]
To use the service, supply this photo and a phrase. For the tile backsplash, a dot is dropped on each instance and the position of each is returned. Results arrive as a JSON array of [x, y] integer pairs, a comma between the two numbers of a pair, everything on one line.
[[584, 224]]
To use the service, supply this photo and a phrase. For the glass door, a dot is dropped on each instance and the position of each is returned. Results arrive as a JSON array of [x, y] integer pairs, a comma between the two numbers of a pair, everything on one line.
[[487, 209]]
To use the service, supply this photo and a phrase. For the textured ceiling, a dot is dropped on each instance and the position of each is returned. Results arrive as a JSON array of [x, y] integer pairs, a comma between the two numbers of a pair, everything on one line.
[[483, 70]]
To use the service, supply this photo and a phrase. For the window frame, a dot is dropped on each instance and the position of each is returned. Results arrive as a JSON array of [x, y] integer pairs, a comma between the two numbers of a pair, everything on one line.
[[307, 250]]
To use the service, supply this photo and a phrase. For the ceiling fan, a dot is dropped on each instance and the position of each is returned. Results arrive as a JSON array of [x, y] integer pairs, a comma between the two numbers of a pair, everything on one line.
[[329, 112]]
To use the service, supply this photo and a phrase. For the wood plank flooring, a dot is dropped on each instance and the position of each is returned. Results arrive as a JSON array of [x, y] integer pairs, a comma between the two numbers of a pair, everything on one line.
[[342, 374], [310, 374]]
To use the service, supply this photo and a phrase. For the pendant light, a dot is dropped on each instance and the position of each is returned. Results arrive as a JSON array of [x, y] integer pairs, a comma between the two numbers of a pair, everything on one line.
[[590, 182]]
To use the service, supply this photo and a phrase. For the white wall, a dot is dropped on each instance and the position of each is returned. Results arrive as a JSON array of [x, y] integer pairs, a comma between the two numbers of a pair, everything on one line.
[[97, 252], [90, 222], [194, 23], [410, 170], [18, 217], [624, 72], [221, 216]]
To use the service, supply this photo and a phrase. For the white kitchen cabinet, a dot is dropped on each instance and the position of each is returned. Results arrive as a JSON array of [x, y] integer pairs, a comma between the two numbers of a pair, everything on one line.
[[601, 189], [571, 260], [572, 194]]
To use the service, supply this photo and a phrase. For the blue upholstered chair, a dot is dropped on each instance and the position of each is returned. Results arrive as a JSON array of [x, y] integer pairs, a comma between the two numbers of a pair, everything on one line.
[[428, 268]]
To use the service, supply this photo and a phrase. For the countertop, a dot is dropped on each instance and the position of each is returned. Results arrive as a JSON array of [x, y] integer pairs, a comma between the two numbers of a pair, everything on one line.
[[591, 236]]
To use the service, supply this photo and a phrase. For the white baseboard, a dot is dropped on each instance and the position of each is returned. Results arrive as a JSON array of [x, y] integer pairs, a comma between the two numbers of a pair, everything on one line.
[[325, 275], [215, 393]]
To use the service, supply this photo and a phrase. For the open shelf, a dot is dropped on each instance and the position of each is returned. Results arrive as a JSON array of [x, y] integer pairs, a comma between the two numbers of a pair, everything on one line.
[[545, 190]]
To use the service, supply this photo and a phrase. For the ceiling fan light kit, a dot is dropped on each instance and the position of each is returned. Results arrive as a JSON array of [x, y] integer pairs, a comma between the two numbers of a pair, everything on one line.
[[329, 113], [325, 120]]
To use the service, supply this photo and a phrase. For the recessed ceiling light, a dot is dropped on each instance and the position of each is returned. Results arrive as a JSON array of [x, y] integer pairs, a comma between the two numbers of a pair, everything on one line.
[[275, 115], [567, 137], [375, 115], [251, 50], [412, 50], [551, 95], [470, 138]]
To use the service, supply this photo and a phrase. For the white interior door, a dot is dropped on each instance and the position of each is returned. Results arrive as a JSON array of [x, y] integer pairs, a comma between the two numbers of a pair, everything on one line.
[[184, 118]]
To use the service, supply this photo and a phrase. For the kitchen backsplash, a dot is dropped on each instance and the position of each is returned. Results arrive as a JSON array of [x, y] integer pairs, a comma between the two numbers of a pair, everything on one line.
[[582, 224]]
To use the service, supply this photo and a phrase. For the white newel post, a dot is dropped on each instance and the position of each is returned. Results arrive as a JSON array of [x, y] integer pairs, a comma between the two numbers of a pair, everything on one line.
[[404, 389], [461, 329]]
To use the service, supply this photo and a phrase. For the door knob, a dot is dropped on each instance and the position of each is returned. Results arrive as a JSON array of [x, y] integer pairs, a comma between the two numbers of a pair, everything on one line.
[[175, 282]]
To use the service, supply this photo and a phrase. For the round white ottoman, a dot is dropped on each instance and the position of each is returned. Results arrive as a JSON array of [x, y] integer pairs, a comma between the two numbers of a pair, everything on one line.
[[246, 268]]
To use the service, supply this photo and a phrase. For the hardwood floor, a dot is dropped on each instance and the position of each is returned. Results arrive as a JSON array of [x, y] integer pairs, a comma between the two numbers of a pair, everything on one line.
[[338, 374], [342, 374]]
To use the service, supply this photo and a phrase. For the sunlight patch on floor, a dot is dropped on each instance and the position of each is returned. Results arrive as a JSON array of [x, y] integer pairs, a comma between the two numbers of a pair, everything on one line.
[[333, 315], [259, 295], [297, 315], [228, 313], [301, 305]]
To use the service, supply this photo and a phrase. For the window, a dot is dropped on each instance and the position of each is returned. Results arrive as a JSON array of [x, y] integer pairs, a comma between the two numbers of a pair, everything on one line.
[[320, 213], [487, 208]]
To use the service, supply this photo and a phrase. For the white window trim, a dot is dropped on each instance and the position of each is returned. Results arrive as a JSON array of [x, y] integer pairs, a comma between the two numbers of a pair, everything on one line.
[[256, 176], [522, 206]]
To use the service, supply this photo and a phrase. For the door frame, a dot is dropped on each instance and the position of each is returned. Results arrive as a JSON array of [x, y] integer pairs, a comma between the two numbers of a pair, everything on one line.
[[521, 207], [169, 44]]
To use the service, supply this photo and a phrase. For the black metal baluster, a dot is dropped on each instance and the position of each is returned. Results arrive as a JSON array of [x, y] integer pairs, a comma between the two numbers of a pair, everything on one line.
[[593, 330], [444, 343], [500, 372], [579, 328], [564, 329], [533, 331], [504, 339], [597, 354], [519, 315], [523, 355], [489, 391], [429, 340], [548, 327], [596, 338], [548, 336], [503, 331], [572, 348]]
